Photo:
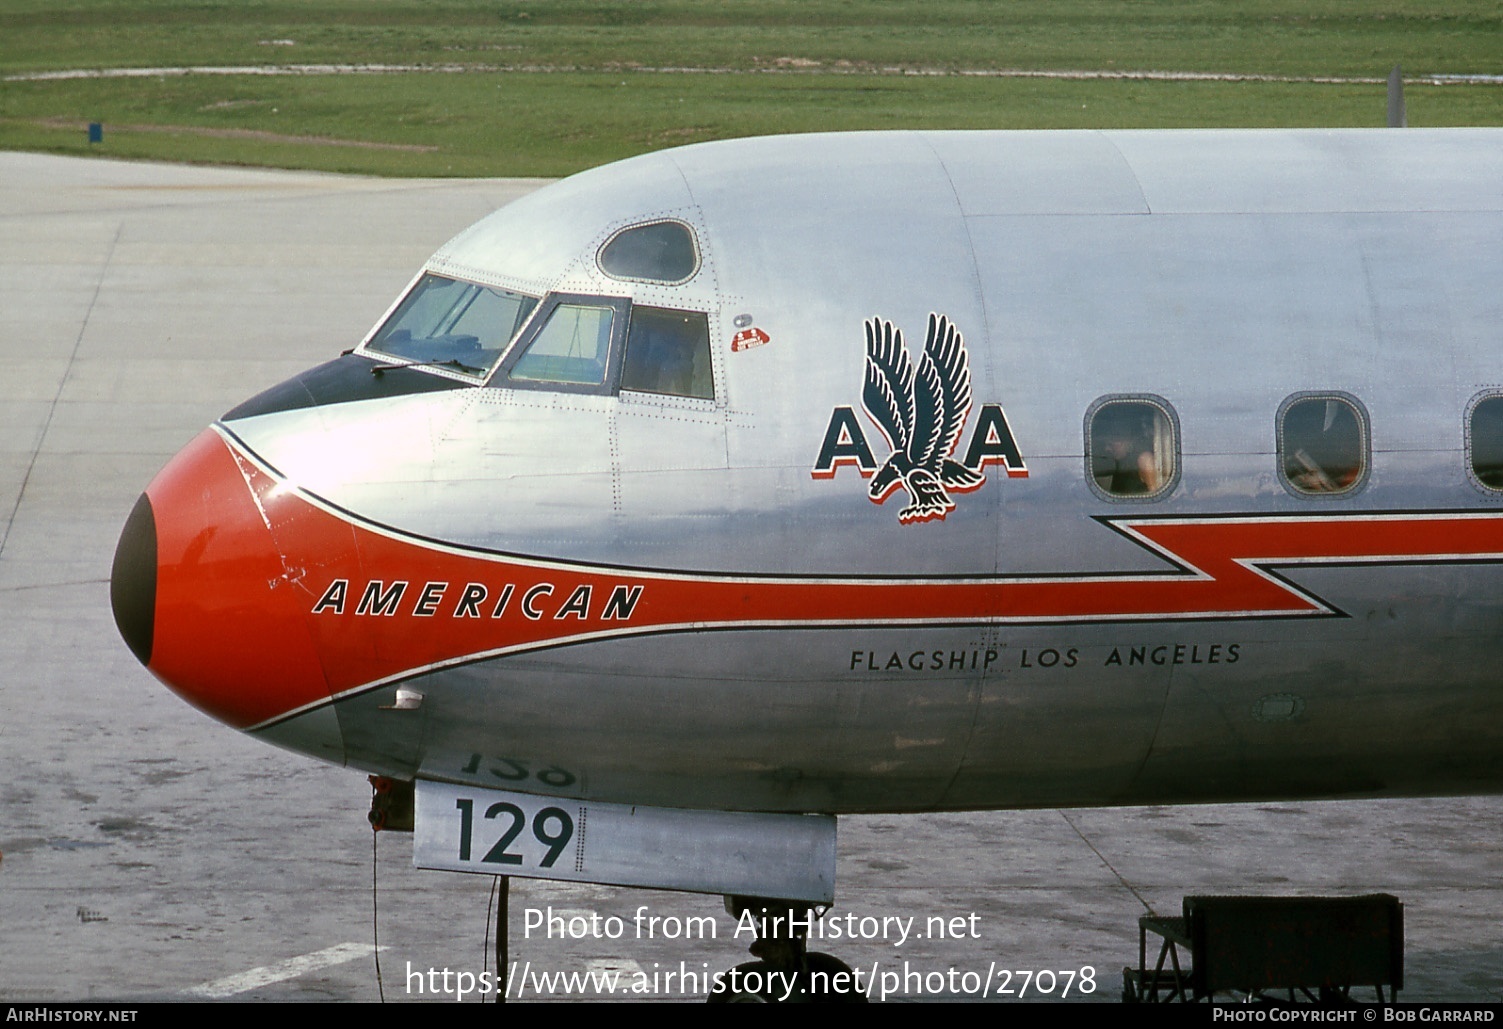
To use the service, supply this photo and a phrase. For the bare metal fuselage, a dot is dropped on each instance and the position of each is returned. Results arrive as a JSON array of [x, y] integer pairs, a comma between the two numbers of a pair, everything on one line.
[[694, 601]]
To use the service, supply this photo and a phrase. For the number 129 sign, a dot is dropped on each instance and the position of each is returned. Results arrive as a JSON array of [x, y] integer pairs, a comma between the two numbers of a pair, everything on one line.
[[472, 829], [498, 832], [551, 826]]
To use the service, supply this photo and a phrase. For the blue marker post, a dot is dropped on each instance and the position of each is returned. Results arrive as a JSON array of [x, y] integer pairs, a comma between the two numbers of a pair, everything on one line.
[[96, 132]]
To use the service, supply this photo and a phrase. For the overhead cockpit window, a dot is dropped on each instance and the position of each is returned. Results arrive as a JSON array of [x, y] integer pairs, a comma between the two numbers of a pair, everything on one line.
[[460, 326], [1485, 440], [662, 251], [1132, 447], [1322, 444], [573, 346], [668, 352]]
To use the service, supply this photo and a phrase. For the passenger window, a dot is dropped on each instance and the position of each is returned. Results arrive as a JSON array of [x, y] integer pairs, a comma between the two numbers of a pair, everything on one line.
[[668, 352], [656, 252], [1485, 436], [573, 347], [1322, 444], [1132, 447]]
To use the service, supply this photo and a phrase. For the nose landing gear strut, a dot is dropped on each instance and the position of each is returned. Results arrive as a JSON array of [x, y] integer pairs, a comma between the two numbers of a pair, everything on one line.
[[785, 971]]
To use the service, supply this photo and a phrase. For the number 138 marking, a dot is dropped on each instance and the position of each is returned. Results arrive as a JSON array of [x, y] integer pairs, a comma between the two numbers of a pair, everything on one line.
[[497, 855]]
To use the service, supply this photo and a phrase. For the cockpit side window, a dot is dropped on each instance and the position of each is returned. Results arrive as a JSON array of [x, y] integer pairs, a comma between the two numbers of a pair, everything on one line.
[[1322, 444], [668, 352], [573, 346], [461, 326], [661, 251], [1132, 446]]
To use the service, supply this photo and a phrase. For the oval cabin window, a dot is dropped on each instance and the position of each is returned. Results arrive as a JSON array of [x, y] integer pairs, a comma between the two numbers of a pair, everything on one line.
[[1485, 439], [1132, 448], [1322, 445]]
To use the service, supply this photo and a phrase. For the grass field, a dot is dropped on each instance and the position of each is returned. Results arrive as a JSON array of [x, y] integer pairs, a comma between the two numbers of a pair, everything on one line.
[[545, 87]]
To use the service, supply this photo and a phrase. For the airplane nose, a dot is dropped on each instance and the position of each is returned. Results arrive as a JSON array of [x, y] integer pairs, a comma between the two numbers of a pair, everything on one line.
[[205, 598]]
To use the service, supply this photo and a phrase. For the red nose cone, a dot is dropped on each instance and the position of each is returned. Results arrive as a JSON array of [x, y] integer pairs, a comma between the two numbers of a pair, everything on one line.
[[230, 634]]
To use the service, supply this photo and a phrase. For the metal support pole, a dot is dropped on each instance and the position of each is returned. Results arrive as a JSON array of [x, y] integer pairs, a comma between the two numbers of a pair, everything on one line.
[[503, 927]]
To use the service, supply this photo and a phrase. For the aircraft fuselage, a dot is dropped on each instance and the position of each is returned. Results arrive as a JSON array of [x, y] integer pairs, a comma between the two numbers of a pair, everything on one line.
[[888, 472]]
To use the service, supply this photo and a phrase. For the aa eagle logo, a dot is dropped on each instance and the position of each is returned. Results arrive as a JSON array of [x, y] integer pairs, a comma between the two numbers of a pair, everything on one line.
[[921, 408], [920, 411]]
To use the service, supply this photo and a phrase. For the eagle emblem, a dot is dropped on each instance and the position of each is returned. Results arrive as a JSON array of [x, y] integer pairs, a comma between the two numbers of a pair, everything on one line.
[[921, 410]]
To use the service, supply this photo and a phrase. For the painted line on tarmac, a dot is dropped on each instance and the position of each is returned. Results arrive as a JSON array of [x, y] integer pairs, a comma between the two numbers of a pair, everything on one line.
[[230, 985], [791, 68]]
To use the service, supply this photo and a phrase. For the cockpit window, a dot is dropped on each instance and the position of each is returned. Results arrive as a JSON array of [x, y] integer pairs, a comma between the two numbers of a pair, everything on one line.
[[662, 251], [451, 324], [668, 352], [573, 347]]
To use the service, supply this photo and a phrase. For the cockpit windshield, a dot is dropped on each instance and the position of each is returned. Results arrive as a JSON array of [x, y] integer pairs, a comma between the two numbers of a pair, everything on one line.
[[459, 326]]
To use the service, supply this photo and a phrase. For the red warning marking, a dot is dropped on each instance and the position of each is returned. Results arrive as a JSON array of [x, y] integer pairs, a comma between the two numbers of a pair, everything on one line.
[[748, 338]]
